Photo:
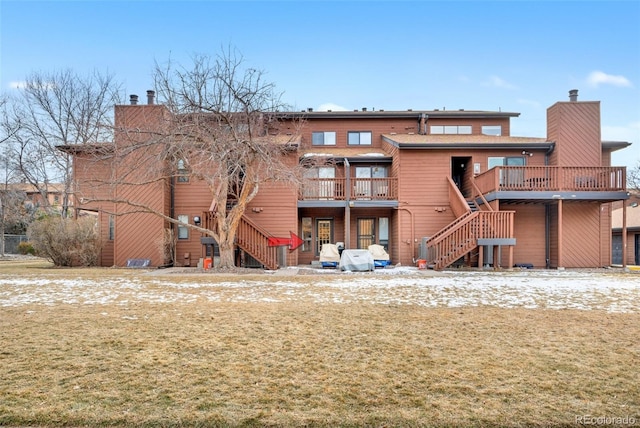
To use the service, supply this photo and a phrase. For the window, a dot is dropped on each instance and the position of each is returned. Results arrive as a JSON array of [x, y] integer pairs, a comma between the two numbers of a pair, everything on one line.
[[323, 138], [450, 129], [383, 232], [322, 183], [112, 227], [505, 161], [183, 174], [495, 130], [359, 138], [307, 234], [514, 176], [183, 231], [370, 181]]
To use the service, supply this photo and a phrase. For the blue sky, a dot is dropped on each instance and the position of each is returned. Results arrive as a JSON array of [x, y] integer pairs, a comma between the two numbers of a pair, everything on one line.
[[516, 56]]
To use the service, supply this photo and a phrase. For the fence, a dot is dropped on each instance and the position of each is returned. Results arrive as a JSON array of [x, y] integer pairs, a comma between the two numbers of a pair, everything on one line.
[[11, 243]]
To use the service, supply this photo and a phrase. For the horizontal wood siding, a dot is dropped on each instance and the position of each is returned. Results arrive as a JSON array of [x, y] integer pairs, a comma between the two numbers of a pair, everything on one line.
[[529, 230], [423, 196], [553, 236], [106, 250], [275, 210], [190, 199], [336, 214], [89, 174], [605, 245], [376, 127]]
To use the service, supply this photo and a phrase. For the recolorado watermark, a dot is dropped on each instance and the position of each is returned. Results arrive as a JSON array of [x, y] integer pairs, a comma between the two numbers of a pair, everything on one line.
[[606, 420]]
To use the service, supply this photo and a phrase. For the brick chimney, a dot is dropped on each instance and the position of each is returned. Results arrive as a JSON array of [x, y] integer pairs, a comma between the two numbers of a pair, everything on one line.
[[151, 97]]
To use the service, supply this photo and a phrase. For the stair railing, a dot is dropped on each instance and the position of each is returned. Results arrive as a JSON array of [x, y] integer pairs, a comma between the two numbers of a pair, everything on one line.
[[251, 238], [255, 240]]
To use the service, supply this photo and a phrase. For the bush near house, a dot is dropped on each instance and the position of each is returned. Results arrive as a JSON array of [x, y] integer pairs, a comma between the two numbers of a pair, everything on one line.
[[66, 241], [25, 248]]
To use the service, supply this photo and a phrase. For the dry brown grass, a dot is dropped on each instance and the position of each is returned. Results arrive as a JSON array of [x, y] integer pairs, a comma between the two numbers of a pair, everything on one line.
[[307, 364]]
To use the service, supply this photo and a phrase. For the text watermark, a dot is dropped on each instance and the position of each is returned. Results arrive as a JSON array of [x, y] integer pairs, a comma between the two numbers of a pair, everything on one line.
[[606, 420]]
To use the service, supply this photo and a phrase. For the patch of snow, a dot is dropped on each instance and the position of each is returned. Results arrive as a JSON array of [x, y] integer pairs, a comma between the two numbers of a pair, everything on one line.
[[547, 289]]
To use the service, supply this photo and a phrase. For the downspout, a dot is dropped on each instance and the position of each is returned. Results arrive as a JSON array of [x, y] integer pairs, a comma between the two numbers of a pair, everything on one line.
[[547, 217], [172, 210], [413, 233], [347, 208]]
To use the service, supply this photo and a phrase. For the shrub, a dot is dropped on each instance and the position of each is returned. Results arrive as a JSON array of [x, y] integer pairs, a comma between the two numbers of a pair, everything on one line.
[[25, 248], [65, 241]]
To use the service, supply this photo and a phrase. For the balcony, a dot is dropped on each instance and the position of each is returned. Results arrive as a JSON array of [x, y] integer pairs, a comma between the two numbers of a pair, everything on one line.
[[553, 182], [354, 189]]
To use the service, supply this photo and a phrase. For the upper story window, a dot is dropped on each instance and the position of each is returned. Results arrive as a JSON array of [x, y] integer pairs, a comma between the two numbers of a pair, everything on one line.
[[495, 130], [357, 138], [450, 129], [183, 174], [323, 138]]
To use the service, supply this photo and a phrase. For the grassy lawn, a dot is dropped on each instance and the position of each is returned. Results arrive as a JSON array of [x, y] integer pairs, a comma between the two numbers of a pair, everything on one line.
[[302, 363]]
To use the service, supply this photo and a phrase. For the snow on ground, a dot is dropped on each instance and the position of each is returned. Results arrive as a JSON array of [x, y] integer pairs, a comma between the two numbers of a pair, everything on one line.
[[608, 290]]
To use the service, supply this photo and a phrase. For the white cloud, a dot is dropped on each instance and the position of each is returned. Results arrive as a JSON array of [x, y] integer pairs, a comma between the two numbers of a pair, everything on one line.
[[22, 85], [17, 85], [596, 78], [332, 107], [499, 82]]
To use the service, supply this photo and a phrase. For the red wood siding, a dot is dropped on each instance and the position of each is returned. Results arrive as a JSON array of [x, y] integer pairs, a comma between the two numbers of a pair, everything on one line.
[[575, 128], [581, 234], [341, 128], [275, 210], [139, 235], [529, 229], [336, 214], [605, 235], [190, 199]]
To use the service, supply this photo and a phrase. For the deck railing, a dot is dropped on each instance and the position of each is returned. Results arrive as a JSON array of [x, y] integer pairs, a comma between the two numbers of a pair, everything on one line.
[[461, 236], [552, 178], [327, 189]]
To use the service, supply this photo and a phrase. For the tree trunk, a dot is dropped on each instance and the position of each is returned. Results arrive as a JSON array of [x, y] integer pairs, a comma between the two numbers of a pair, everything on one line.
[[227, 254]]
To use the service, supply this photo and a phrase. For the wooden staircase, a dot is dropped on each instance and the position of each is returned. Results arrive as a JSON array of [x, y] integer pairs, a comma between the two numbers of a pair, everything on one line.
[[255, 240], [462, 236], [472, 228], [251, 238]]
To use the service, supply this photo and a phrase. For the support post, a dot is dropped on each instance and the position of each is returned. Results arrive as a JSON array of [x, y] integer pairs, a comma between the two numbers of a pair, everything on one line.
[[560, 236]]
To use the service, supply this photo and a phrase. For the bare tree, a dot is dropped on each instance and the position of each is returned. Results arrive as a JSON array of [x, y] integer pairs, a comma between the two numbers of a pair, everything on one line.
[[59, 108], [217, 132], [633, 178], [9, 123]]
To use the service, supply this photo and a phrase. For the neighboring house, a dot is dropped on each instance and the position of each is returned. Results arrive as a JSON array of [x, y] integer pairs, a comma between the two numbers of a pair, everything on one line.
[[632, 223], [54, 193], [438, 185]]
